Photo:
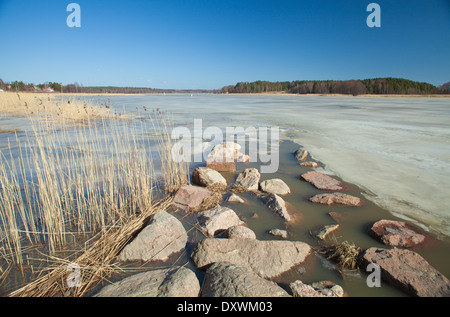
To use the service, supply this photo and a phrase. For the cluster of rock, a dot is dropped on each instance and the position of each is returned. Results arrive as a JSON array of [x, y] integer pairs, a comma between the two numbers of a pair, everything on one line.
[[238, 264], [325, 182], [402, 268]]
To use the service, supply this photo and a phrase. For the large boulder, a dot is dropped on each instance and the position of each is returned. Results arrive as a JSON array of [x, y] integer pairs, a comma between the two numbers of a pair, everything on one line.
[[408, 271], [395, 233], [277, 205], [265, 258], [171, 282], [318, 289], [336, 199], [248, 179], [190, 196], [224, 279], [205, 176], [322, 181], [163, 236], [226, 149], [218, 219], [275, 186], [230, 151]]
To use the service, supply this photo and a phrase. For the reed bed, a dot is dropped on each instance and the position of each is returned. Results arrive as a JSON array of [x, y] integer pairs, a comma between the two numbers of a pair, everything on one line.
[[55, 106], [95, 180]]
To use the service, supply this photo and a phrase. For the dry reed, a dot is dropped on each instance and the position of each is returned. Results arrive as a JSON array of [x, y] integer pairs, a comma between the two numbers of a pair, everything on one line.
[[97, 177], [54, 106], [346, 254]]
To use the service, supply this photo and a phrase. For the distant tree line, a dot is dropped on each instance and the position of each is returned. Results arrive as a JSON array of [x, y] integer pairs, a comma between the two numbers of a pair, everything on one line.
[[351, 87], [79, 88]]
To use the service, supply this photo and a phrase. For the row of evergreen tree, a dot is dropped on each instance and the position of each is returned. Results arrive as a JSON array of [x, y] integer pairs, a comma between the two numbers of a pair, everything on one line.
[[352, 87]]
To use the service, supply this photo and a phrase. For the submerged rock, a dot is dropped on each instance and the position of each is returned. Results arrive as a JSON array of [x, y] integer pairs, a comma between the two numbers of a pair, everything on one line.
[[248, 179], [275, 186], [265, 258], [240, 232], [326, 230], [218, 219], [408, 271], [233, 198], [277, 205], [221, 165], [322, 181], [318, 289], [395, 233], [163, 236], [301, 154], [310, 164], [190, 196], [172, 282], [336, 198], [224, 279], [278, 233], [205, 176]]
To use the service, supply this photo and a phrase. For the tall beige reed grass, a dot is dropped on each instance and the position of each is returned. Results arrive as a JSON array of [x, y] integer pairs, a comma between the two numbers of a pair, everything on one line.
[[87, 180]]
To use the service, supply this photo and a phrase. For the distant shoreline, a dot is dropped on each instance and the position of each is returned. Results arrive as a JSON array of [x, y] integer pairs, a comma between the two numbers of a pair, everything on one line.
[[84, 94]]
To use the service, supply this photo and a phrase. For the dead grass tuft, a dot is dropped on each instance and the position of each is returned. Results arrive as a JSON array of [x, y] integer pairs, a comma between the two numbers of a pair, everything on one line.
[[346, 254], [237, 189], [209, 202], [217, 188]]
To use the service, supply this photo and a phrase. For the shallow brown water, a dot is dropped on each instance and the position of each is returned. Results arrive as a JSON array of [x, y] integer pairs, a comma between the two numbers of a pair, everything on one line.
[[308, 218]]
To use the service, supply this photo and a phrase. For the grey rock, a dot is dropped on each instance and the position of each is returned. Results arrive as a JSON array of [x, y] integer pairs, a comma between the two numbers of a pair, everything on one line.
[[233, 198], [205, 176], [240, 232], [224, 279], [275, 186], [278, 233], [265, 258], [318, 289], [218, 219], [277, 205], [325, 230], [163, 236], [249, 179], [172, 282]]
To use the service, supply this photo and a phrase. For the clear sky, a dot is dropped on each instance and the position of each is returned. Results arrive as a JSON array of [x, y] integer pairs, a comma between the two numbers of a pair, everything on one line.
[[212, 43]]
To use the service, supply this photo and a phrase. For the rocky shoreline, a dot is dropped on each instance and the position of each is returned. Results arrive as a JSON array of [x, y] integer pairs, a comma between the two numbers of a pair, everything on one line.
[[235, 263]]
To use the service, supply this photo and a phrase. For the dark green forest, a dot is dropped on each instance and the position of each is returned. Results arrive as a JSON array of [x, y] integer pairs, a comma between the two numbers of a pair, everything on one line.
[[378, 86], [352, 87]]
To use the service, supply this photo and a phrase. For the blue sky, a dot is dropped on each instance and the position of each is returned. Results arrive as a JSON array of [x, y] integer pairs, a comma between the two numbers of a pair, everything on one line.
[[209, 44]]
